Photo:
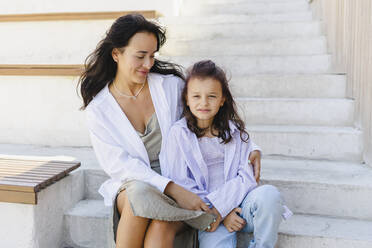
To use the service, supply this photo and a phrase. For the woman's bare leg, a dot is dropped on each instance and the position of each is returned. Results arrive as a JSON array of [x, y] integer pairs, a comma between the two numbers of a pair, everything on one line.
[[161, 234], [131, 229]]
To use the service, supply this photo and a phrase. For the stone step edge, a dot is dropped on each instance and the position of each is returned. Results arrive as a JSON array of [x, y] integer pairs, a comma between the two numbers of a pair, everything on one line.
[[304, 129], [75, 16], [322, 166], [289, 227], [259, 40], [77, 69]]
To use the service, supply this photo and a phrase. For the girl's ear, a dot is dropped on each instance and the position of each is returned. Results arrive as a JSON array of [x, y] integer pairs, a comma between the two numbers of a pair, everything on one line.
[[187, 100], [223, 101]]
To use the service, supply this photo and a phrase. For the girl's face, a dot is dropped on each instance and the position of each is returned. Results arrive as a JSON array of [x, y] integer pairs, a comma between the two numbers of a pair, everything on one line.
[[204, 98], [135, 62]]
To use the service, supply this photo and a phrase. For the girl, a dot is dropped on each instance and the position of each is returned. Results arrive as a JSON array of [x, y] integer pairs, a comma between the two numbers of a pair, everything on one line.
[[207, 153]]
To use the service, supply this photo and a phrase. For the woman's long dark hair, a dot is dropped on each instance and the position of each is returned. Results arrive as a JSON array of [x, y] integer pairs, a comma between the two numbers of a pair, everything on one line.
[[208, 69], [100, 67]]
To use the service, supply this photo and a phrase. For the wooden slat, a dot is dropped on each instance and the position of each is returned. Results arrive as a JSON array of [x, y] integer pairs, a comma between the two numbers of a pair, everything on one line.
[[18, 186], [151, 14], [31, 170], [41, 70], [18, 197], [5, 158], [34, 165]]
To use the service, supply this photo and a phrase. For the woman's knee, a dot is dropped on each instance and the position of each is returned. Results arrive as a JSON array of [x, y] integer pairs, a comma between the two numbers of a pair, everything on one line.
[[138, 187], [163, 227], [121, 201]]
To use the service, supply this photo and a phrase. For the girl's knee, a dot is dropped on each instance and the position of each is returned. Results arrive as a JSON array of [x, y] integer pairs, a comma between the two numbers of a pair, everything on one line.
[[269, 200], [263, 197], [270, 192]]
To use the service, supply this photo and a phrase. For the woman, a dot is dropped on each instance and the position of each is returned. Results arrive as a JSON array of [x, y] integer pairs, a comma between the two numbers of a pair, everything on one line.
[[132, 99]]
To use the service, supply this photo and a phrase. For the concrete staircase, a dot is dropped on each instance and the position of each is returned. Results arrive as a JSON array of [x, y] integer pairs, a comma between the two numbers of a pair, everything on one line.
[[293, 102]]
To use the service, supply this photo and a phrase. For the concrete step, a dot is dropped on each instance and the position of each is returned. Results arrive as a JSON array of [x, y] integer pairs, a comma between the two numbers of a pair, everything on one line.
[[230, 46], [261, 30], [309, 142], [61, 48], [286, 86], [243, 1], [296, 111], [48, 115], [51, 121], [318, 187], [87, 225], [244, 8], [242, 65], [300, 16], [322, 187]]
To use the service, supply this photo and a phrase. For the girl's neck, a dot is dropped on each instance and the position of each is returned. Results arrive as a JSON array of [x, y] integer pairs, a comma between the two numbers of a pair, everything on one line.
[[209, 133], [203, 124]]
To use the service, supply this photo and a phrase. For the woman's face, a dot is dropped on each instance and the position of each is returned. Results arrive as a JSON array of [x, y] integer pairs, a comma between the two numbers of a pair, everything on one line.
[[137, 58]]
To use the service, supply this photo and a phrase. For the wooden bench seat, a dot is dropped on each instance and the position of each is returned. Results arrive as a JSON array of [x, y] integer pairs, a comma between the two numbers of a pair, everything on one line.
[[69, 16], [41, 70], [22, 179]]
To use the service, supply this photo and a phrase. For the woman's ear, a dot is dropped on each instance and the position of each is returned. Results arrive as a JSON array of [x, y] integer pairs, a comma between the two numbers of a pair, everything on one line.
[[114, 54]]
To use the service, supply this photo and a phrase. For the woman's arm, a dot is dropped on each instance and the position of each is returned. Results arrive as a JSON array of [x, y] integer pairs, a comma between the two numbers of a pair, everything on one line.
[[255, 158], [184, 198]]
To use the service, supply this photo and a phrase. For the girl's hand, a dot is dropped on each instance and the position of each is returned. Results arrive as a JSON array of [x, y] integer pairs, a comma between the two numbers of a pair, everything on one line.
[[255, 158], [212, 227], [233, 222], [186, 199]]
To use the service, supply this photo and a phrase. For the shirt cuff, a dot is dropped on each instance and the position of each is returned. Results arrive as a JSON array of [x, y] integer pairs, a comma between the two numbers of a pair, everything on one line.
[[160, 182], [223, 211]]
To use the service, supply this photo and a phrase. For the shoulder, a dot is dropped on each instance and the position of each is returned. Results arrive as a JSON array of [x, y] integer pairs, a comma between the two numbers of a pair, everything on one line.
[[100, 102], [235, 132], [179, 128], [170, 81]]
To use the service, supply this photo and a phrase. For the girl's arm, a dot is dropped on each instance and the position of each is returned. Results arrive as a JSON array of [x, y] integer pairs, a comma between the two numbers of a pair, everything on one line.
[[116, 162], [173, 166], [232, 193]]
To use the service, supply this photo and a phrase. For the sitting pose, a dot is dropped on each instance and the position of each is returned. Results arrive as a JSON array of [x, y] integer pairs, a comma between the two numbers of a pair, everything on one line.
[[207, 153]]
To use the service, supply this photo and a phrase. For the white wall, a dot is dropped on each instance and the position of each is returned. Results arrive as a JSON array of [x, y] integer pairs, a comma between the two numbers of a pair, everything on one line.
[[165, 7]]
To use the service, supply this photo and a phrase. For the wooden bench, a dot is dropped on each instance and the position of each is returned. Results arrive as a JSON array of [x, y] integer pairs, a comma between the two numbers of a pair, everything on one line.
[[22, 179], [151, 14]]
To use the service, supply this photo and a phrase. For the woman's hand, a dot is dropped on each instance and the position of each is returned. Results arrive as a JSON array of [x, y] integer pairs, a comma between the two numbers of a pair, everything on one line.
[[255, 158], [212, 227], [185, 199], [233, 222]]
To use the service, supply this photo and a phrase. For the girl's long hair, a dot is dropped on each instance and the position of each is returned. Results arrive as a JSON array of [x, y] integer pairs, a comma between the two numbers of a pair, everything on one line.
[[100, 67], [208, 69]]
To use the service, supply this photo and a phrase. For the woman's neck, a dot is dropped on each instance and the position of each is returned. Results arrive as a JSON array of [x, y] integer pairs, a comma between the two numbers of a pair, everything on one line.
[[126, 86]]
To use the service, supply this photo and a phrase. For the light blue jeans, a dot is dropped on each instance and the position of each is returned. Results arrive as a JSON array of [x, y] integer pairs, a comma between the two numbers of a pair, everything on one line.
[[262, 209]]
